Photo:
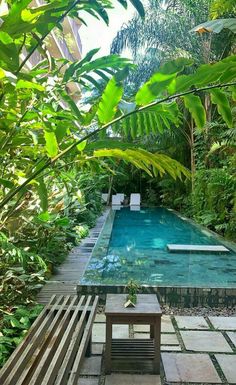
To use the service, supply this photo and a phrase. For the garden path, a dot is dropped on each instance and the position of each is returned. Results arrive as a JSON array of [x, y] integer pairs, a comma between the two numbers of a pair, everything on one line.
[[194, 350], [67, 275]]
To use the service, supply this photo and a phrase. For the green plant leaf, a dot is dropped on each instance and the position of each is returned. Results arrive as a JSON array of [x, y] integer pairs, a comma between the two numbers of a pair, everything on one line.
[[160, 81], [44, 217], [215, 26], [139, 7], [152, 164], [43, 194], [110, 100], [51, 143], [81, 146], [26, 84], [6, 183], [219, 98], [194, 105], [5, 38]]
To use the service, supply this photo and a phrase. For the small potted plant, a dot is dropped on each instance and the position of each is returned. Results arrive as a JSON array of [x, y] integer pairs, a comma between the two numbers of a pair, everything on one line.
[[132, 288]]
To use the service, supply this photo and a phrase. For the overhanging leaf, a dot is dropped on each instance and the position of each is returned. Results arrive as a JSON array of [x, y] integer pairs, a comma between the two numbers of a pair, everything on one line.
[[51, 143], [215, 26], [81, 146], [194, 105], [153, 164], [110, 100], [160, 81], [26, 84], [43, 195], [219, 98]]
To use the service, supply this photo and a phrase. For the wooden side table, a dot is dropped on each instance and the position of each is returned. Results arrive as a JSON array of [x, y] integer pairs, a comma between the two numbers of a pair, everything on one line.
[[146, 312]]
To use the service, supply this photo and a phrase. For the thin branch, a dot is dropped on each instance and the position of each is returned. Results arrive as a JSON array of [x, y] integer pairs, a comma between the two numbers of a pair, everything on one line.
[[50, 162]]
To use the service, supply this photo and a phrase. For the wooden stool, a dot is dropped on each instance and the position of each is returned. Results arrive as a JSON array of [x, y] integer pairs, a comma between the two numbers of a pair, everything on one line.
[[146, 312]]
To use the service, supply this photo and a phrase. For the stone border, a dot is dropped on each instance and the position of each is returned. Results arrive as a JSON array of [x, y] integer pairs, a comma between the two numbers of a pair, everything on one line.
[[172, 296]]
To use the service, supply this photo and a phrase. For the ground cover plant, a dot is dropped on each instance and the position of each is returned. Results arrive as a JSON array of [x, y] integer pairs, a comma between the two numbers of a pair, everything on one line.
[[57, 156]]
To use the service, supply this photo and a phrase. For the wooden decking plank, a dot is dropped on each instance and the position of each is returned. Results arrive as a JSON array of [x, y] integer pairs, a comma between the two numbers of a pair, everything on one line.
[[74, 375], [22, 354], [74, 344], [63, 346], [51, 348], [10, 364], [26, 375]]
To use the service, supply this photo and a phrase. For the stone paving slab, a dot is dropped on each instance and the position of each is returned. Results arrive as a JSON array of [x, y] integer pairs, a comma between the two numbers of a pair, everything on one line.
[[91, 366], [183, 367], [232, 336], [120, 331], [170, 348], [88, 381], [191, 322], [228, 366], [223, 323], [141, 335], [166, 339], [142, 328], [100, 318], [132, 379], [204, 341], [99, 332], [169, 339], [166, 324], [97, 348]]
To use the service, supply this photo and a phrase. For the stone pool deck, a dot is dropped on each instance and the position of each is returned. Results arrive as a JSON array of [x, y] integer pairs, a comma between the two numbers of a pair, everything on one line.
[[194, 350]]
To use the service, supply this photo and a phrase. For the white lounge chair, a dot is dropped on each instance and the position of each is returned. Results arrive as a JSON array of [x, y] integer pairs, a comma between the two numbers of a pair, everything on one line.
[[135, 202], [135, 199], [122, 197], [115, 202]]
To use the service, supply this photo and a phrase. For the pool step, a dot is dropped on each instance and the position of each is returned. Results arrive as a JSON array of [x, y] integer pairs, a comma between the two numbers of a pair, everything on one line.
[[191, 248]]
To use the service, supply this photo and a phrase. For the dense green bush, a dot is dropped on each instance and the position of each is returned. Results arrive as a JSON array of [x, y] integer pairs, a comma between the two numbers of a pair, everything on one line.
[[14, 325], [213, 200]]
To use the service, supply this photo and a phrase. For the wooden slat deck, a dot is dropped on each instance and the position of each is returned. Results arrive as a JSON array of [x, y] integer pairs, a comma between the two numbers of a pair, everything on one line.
[[53, 350], [198, 248], [69, 273]]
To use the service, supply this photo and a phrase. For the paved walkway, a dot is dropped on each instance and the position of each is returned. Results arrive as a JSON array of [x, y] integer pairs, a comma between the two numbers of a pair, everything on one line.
[[194, 350], [67, 275]]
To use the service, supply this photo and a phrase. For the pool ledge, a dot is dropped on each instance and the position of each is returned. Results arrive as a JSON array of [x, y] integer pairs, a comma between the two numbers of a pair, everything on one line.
[[172, 295]]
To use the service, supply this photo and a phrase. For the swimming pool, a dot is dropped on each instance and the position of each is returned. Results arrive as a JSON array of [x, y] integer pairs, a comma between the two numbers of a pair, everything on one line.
[[133, 245]]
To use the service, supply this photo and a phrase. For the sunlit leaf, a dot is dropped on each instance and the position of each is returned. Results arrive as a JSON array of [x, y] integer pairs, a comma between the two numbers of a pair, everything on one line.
[[110, 99], [219, 98], [51, 143], [30, 85], [81, 146], [194, 105]]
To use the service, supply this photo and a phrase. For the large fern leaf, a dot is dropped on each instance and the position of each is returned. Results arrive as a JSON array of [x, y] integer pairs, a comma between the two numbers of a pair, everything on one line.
[[152, 120], [154, 164]]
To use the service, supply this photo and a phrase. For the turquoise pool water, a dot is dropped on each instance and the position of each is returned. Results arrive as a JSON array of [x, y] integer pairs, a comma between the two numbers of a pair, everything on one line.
[[136, 248]]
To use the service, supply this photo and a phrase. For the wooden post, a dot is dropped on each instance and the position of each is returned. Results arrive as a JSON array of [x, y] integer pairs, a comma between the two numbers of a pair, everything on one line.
[[157, 345], [108, 345]]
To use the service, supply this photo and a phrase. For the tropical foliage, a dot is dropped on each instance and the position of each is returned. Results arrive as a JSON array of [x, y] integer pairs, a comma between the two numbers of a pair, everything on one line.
[[57, 155], [197, 134]]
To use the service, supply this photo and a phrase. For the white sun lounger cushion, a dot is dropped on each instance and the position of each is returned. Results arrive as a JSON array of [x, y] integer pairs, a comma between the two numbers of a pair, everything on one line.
[[135, 199]]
